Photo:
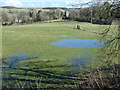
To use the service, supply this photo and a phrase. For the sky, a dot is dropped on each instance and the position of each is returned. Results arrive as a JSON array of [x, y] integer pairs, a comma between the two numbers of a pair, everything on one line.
[[41, 3]]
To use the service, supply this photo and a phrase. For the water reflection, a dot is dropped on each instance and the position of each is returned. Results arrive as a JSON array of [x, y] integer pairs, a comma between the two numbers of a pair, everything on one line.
[[77, 43], [15, 59]]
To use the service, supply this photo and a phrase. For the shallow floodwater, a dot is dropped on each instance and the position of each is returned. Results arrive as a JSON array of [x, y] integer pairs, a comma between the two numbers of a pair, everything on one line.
[[77, 43], [67, 69], [78, 63], [15, 59], [68, 36]]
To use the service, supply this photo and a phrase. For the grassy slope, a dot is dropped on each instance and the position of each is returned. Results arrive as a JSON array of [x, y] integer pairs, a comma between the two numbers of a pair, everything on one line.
[[33, 39]]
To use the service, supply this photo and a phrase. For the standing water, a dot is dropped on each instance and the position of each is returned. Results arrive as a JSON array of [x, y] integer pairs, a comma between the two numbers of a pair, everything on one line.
[[77, 43]]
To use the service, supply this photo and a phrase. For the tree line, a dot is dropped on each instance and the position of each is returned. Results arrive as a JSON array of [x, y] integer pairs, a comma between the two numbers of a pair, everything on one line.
[[89, 14], [30, 16]]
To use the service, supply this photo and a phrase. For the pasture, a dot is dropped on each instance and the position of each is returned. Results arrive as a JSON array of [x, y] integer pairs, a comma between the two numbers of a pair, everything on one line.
[[32, 62]]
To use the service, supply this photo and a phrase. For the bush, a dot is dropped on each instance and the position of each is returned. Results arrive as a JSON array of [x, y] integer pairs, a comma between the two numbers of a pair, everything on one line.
[[23, 17], [7, 19]]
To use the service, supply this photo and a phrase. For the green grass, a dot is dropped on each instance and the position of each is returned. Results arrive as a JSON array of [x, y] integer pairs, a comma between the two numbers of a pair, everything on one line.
[[33, 39]]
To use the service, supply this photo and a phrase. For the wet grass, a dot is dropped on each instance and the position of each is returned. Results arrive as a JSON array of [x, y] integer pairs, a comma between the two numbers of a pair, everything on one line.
[[34, 38], [52, 69]]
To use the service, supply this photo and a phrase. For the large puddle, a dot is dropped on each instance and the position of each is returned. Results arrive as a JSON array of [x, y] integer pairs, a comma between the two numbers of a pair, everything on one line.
[[77, 43], [75, 62], [15, 59]]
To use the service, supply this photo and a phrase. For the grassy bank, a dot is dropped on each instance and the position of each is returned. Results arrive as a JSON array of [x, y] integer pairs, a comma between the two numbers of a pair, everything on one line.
[[51, 68]]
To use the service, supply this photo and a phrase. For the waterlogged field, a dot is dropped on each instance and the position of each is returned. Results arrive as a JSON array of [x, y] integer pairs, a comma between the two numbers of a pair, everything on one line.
[[30, 61]]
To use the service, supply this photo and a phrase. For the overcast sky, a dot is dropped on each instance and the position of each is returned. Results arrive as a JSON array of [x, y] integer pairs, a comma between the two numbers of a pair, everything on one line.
[[40, 3]]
